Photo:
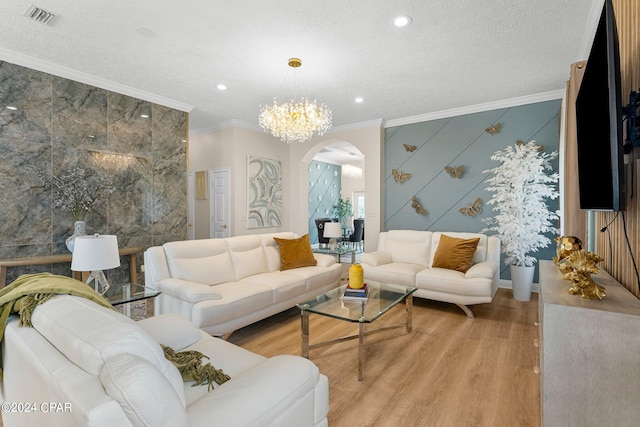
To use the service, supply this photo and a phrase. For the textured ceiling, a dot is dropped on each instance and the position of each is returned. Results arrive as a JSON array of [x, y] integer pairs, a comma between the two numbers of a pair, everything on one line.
[[456, 53]]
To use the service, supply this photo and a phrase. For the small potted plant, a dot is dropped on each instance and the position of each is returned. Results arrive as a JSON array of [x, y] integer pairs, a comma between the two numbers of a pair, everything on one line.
[[522, 184], [343, 209]]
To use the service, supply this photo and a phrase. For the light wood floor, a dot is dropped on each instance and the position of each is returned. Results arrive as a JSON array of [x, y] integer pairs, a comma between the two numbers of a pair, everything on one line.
[[450, 371]]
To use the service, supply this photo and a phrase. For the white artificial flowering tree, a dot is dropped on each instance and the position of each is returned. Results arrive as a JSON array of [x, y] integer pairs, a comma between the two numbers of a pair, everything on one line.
[[522, 185]]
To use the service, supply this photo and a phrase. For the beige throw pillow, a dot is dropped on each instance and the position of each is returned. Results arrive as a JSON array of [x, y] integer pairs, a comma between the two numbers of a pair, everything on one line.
[[455, 254], [295, 253]]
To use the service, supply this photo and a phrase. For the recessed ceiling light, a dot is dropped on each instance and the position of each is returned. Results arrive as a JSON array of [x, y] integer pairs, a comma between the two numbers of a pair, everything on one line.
[[11, 107], [359, 99], [402, 21], [144, 116], [221, 87]]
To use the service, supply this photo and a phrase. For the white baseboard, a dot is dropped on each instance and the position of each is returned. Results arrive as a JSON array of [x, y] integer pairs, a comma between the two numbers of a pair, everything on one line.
[[506, 284]]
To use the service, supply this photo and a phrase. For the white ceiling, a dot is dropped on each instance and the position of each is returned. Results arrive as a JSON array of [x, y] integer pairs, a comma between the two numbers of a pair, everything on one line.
[[455, 54]]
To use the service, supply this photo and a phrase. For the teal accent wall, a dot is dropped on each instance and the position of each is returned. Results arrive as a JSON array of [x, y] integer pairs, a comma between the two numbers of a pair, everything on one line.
[[455, 141], [324, 192]]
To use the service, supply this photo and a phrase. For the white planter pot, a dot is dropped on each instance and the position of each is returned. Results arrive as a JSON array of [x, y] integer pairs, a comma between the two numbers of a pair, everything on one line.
[[521, 280]]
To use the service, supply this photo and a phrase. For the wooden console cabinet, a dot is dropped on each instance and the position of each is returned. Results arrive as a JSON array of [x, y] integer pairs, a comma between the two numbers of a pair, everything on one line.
[[62, 258], [589, 354]]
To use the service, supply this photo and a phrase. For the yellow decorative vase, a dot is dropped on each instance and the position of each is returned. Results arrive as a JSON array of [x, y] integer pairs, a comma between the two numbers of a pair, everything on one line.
[[356, 276]]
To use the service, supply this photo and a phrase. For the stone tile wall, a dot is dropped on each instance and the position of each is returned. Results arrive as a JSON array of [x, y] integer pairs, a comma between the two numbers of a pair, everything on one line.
[[60, 124]]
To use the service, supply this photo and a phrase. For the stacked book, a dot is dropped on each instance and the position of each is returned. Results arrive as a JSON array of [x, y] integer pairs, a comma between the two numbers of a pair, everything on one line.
[[359, 294]]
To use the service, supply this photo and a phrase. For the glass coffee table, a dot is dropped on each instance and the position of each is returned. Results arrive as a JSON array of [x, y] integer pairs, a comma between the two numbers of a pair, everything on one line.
[[125, 293], [337, 252], [382, 298]]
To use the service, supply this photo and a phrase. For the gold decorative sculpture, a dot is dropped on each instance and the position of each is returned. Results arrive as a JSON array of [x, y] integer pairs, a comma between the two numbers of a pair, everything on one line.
[[455, 171], [399, 176], [492, 130], [415, 204], [581, 266], [565, 246], [473, 209], [409, 148], [541, 148]]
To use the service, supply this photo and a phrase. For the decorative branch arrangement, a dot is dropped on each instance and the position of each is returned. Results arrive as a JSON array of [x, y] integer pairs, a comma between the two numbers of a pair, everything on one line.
[[77, 190], [521, 187]]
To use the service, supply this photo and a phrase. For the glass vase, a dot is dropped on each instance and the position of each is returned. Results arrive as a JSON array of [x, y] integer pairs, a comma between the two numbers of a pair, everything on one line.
[[79, 229]]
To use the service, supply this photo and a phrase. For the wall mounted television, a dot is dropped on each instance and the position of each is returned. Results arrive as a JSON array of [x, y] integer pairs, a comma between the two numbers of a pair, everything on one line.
[[599, 122]]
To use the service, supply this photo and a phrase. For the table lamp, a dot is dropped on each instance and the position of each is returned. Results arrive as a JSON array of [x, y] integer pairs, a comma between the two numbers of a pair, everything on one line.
[[332, 230], [96, 253]]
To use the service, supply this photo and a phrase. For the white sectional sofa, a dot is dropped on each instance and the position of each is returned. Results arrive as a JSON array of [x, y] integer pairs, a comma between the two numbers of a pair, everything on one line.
[[222, 285], [82, 364], [407, 257]]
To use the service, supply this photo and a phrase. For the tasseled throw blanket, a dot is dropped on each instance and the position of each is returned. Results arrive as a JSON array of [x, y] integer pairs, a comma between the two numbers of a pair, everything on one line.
[[189, 364], [27, 291]]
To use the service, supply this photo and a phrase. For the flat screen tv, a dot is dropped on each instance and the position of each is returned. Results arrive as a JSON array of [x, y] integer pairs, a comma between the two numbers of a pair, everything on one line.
[[599, 122]]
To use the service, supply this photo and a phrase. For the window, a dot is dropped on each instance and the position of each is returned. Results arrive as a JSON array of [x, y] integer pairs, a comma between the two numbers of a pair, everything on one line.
[[358, 204]]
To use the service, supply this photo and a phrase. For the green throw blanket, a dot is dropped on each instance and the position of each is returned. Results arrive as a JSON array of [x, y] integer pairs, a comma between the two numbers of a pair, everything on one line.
[[27, 291], [189, 364]]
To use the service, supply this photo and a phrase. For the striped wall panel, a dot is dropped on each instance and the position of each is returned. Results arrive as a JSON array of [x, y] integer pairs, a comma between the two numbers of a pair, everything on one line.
[[324, 192], [456, 141]]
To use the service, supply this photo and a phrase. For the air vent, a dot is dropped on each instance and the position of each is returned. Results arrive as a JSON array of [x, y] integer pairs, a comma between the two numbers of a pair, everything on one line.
[[39, 15]]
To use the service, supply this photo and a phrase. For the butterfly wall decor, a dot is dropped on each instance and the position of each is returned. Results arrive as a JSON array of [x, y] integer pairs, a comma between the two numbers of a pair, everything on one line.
[[455, 171], [400, 177], [541, 148], [409, 148], [473, 209], [415, 204], [492, 130]]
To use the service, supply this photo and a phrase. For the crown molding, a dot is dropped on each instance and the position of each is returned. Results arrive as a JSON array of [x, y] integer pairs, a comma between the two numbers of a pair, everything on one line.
[[245, 125], [354, 126], [590, 30], [478, 108], [224, 125], [79, 76]]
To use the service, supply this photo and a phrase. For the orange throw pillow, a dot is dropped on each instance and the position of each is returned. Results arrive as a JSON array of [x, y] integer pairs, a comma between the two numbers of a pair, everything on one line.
[[295, 253], [455, 254]]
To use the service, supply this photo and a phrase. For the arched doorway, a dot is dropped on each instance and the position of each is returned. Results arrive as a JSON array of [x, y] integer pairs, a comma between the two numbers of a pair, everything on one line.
[[335, 171]]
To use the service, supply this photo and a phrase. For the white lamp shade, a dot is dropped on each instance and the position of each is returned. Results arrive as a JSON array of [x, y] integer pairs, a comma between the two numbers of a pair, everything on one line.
[[332, 229], [97, 252]]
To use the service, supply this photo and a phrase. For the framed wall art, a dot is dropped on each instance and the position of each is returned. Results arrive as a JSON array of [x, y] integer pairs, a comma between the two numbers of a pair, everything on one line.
[[201, 185], [264, 192]]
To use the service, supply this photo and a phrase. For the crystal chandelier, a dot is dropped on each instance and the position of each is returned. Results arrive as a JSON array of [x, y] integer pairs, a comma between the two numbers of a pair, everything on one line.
[[297, 119]]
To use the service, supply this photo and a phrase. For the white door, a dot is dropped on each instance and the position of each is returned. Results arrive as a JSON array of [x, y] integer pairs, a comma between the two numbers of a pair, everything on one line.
[[220, 203]]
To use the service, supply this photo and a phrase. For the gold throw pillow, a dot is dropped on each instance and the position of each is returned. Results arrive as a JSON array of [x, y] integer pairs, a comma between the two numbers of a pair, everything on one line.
[[455, 254], [295, 253]]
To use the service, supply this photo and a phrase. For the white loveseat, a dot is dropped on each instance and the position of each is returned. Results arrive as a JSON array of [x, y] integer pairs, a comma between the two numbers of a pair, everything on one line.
[[225, 284], [406, 257], [82, 364]]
